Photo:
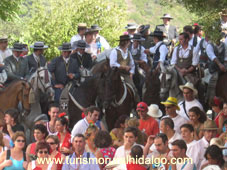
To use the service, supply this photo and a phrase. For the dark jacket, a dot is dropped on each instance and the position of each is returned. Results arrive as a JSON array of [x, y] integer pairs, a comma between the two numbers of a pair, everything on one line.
[[32, 63], [85, 60], [172, 32], [58, 68], [16, 69]]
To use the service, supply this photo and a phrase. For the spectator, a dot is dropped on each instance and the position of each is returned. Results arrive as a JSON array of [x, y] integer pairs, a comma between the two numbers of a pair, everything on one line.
[[217, 106], [6, 138], [15, 158], [53, 113], [197, 119], [155, 112], [53, 142], [81, 28], [42, 151], [223, 116], [41, 119], [89, 137], [2, 145]]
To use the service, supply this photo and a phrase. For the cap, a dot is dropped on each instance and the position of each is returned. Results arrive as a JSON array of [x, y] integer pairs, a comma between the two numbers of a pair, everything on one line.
[[142, 106]]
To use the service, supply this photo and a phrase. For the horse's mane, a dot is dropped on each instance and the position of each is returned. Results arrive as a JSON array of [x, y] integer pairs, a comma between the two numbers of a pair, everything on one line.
[[11, 85], [86, 83]]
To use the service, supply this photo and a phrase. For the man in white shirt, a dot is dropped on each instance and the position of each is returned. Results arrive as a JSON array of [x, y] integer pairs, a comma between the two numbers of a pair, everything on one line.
[[160, 50], [223, 15], [193, 39], [131, 29], [189, 93], [171, 106], [91, 116], [81, 31], [4, 51]]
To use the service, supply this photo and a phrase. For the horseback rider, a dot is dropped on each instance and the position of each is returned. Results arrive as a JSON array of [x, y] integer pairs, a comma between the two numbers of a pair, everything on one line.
[[4, 51], [223, 15], [121, 57], [184, 60], [144, 31], [84, 59], [16, 66], [81, 28], [90, 39], [131, 29], [160, 50], [36, 59], [64, 68], [193, 38], [169, 30]]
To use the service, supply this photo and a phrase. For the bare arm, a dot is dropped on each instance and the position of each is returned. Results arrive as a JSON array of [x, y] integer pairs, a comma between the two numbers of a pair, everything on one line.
[[28, 152]]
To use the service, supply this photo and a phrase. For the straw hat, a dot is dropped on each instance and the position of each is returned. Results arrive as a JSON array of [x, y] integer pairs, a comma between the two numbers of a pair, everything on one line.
[[189, 85], [171, 101], [39, 45], [167, 16], [154, 111], [82, 25], [131, 26], [210, 125], [218, 142], [223, 12]]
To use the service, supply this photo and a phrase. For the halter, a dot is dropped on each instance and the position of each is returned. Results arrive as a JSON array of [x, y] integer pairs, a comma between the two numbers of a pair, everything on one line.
[[46, 79], [23, 99]]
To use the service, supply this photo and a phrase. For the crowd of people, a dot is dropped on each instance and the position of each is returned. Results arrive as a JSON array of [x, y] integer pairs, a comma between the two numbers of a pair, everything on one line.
[[183, 136]]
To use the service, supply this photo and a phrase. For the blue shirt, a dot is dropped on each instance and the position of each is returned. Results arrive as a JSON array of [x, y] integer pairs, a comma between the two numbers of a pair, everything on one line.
[[17, 165]]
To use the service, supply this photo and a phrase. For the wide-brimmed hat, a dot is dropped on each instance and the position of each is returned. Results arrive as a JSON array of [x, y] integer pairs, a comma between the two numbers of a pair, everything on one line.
[[18, 47], [95, 27], [143, 28], [210, 125], [89, 31], [80, 44], [158, 34], [42, 117], [189, 85], [82, 25], [65, 47], [124, 38], [171, 101], [167, 16], [142, 106], [137, 37], [218, 142], [131, 26], [154, 111], [223, 12], [39, 45], [3, 38]]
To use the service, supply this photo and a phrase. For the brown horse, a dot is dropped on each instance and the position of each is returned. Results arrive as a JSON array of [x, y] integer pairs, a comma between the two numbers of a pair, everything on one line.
[[221, 89], [12, 94]]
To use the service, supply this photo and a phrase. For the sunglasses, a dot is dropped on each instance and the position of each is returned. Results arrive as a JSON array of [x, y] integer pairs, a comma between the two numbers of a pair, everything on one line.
[[41, 152], [51, 143], [23, 141]]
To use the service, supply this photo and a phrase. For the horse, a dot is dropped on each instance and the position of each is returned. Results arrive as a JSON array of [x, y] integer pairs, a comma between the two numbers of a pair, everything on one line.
[[117, 97]]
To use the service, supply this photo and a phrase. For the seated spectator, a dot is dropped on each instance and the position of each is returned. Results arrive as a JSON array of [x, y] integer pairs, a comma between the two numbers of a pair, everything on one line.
[[197, 119], [15, 158], [42, 151], [103, 142], [89, 135], [136, 153], [179, 149], [53, 113], [40, 133], [217, 106], [71, 162], [118, 132], [53, 142], [91, 116], [147, 124], [171, 107], [63, 135], [11, 117]]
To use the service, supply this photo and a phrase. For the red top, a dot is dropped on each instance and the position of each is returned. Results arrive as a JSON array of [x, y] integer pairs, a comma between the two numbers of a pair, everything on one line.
[[132, 166], [149, 126], [108, 154], [32, 149], [66, 142], [58, 157], [217, 118]]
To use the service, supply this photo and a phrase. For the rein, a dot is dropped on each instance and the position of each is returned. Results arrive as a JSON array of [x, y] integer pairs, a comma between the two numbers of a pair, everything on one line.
[[118, 103], [39, 78]]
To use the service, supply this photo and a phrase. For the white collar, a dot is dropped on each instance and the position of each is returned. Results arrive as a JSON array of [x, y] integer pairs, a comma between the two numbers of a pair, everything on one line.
[[188, 48], [17, 58], [66, 59]]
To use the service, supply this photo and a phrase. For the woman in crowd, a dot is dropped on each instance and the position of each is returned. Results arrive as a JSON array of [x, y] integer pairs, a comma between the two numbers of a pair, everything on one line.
[[105, 151], [2, 145], [40, 133], [53, 142], [90, 136], [197, 118], [42, 152], [6, 137], [222, 117], [217, 105], [63, 135], [15, 158], [118, 132]]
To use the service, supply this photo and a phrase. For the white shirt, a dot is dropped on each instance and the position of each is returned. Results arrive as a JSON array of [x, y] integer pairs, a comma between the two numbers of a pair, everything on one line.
[[143, 56], [185, 166], [163, 51], [75, 38], [210, 52], [190, 151], [92, 49], [80, 127], [113, 59], [178, 121], [198, 50], [223, 24], [4, 54], [199, 149], [190, 42], [184, 53], [103, 42], [226, 41], [188, 105]]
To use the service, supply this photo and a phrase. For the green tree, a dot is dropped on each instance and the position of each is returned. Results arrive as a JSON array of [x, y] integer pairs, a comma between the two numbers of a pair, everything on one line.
[[55, 21]]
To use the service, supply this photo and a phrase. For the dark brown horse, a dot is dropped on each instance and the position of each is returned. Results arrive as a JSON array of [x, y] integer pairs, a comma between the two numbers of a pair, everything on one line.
[[12, 94], [221, 87], [117, 97]]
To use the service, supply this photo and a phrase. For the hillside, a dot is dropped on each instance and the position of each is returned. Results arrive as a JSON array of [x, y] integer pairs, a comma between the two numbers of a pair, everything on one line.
[[150, 11]]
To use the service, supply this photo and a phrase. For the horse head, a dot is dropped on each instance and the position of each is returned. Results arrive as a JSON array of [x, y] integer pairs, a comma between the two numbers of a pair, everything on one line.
[[109, 86], [24, 97]]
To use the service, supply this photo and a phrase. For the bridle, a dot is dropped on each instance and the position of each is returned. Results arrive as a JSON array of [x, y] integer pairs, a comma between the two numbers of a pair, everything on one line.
[[46, 77]]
